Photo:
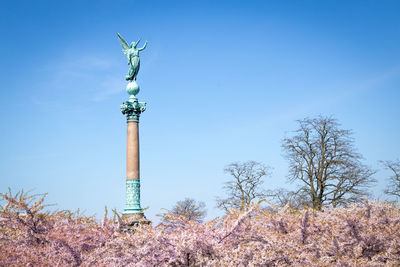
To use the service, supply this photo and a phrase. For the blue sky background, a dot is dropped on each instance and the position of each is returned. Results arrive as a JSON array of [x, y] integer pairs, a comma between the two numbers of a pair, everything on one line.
[[224, 81]]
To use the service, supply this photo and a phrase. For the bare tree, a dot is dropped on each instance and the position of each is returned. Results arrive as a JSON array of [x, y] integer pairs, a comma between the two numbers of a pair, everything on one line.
[[190, 209], [295, 199], [393, 187], [323, 159], [245, 186]]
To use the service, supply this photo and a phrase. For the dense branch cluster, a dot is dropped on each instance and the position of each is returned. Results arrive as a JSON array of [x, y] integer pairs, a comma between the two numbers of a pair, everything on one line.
[[188, 208], [361, 234], [322, 158], [245, 186]]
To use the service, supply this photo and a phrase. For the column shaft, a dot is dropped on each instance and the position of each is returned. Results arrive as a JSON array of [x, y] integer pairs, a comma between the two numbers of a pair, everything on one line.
[[132, 151], [132, 170]]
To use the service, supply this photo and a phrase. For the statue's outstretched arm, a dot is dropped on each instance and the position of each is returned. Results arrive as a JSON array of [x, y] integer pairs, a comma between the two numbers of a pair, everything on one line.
[[144, 46]]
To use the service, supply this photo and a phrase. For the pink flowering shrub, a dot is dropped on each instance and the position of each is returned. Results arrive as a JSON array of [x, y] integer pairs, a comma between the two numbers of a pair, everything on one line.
[[364, 234]]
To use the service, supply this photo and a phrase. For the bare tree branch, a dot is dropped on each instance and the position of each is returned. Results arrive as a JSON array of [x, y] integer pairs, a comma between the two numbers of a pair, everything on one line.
[[295, 199], [393, 187]]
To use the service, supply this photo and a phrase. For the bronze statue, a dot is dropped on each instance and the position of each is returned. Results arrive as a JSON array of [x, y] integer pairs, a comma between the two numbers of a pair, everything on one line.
[[132, 54]]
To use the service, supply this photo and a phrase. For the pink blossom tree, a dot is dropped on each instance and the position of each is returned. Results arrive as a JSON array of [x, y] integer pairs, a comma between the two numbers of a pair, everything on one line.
[[362, 234]]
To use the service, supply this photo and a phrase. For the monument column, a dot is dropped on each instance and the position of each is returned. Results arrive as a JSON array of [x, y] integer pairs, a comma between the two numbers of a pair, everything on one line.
[[133, 213]]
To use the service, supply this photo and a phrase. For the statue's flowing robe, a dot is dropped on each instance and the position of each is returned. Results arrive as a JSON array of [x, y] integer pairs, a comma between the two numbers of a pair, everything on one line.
[[134, 64]]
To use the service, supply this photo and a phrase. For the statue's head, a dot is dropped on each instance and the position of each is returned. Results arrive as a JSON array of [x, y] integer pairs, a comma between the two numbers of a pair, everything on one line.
[[133, 44]]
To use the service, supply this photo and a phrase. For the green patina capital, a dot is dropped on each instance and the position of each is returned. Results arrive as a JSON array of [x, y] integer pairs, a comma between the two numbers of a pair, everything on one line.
[[132, 109]]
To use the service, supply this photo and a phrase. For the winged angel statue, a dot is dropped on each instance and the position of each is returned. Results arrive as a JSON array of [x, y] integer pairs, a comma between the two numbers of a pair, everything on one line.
[[132, 54]]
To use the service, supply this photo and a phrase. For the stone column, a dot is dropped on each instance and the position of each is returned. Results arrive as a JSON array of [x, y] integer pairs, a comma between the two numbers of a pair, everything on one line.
[[132, 151], [133, 214]]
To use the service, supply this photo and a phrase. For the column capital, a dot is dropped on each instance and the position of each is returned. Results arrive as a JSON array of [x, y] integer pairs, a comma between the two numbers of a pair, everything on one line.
[[133, 108]]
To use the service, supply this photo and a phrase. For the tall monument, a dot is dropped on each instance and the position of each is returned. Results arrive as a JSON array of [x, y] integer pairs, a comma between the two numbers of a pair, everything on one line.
[[132, 108]]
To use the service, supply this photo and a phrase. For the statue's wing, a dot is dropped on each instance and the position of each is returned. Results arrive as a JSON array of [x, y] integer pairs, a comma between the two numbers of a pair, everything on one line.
[[124, 44]]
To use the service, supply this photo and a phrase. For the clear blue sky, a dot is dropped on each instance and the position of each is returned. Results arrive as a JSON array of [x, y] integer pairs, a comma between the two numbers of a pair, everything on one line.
[[224, 81]]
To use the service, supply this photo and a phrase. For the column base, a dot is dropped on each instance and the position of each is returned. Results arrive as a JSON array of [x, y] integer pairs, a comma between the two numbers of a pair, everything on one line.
[[134, 219]]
